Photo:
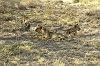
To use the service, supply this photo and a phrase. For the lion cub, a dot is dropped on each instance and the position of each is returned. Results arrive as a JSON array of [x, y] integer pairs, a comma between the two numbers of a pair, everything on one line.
[[73, 30], [46, 34], [43, 31]]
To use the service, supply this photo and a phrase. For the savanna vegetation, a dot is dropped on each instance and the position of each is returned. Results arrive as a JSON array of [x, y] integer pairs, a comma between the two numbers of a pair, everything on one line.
[[18, 47]]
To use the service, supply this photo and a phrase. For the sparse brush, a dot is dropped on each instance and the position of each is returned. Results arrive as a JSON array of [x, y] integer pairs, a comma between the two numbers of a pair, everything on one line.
[[89, 1], [76, 1], [94, 14], [4, 10], [22, 7], [27, 26]]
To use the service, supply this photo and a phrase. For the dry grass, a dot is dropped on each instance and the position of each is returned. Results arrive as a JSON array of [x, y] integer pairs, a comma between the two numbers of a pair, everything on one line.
[[20, 48], [90, 1]]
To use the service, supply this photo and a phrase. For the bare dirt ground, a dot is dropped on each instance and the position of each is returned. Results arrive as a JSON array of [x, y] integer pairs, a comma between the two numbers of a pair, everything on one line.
[[22, 49]]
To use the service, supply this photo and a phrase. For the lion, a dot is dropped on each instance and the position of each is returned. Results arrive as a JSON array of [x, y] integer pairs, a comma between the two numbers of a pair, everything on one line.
[[46, 34], [73, 30], [43, 31]]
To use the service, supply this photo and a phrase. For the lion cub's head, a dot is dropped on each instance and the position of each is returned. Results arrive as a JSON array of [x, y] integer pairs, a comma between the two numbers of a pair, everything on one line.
[[38, 28], [41, 29], [73, 29]]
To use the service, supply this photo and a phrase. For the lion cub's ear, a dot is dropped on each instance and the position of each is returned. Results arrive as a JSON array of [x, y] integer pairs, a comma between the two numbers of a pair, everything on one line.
[[77, 27]]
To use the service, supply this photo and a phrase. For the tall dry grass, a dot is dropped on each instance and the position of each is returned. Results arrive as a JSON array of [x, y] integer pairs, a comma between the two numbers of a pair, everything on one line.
[[26, 3], [19, 3], [89, 1]]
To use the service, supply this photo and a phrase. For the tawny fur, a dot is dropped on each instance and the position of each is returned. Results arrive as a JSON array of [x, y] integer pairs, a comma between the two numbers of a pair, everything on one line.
[[46, 34], [73, 30]]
